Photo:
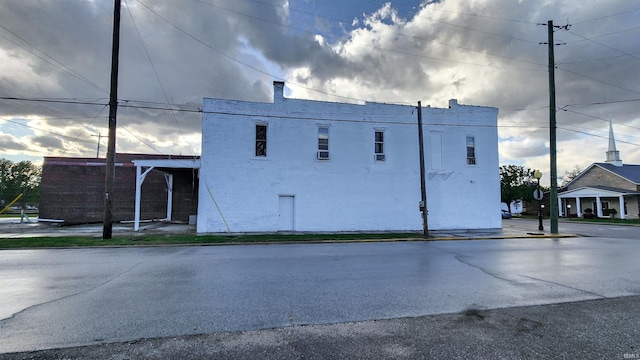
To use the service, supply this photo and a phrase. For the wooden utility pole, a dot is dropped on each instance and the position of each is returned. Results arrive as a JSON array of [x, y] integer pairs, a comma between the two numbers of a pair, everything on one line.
[[553, 198], [98, 150], [113, 107], [423, 183]]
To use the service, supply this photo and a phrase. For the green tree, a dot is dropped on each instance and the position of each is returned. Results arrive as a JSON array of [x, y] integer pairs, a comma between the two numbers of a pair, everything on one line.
[[570, 175], [516, 184], [19, 178]]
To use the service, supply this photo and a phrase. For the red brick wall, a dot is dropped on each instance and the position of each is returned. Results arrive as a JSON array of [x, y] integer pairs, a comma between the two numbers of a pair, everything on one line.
[[72, 190]]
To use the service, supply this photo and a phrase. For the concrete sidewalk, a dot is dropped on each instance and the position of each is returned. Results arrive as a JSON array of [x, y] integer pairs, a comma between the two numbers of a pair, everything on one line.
[[511, 229], [13, 228]]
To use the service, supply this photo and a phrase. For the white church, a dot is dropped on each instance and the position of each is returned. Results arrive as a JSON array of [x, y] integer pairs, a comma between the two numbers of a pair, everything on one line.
[[298, 165], [604, 189]]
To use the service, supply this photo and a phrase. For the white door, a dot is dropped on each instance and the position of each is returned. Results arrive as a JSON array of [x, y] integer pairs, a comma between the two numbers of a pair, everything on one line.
[[285, 213]]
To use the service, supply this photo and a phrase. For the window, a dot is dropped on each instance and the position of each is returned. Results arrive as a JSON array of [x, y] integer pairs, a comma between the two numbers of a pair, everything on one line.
[[323, 143], [379, 145], [261, 139], [471, 150]]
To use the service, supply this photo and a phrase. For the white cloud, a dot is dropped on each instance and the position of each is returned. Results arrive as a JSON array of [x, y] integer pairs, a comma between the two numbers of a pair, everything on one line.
[[481, 52]]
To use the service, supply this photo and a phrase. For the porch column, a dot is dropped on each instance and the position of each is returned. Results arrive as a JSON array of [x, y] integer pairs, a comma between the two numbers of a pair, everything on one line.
[[560, 208], [622, 214], [136, 216], [140, 176], [598, 207], [578, 207], [168, 178]]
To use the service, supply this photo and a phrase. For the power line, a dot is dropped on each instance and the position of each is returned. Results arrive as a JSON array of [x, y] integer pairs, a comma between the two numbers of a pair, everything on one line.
[[600, 81], [44, 131], [142, 140], [605, 45], [603, 102], [237, 60], [53, 101], [409, 36], [482, 16], [415, 15], [124, 103], [599, 118], [592, 60], [604, 35], [607, 16], [53, 61], [156, 73], [599, 136]]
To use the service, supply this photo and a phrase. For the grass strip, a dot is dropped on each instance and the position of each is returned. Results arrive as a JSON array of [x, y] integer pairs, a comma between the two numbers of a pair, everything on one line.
[[148, 240]]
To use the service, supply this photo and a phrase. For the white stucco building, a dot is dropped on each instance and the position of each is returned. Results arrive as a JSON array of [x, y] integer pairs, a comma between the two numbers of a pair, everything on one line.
[[312, 166]]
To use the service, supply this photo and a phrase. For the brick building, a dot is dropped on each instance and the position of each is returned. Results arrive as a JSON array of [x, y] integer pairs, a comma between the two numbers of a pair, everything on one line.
[[72, 189]]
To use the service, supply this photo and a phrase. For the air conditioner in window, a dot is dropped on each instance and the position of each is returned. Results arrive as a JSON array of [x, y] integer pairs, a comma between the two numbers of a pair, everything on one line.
[[323, 155], [380, 157]]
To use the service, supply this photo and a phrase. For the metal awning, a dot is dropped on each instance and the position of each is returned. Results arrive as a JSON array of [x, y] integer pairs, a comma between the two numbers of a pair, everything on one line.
[[143, 167]]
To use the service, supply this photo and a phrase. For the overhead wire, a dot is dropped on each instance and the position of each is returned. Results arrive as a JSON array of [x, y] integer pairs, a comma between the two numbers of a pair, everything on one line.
[[172, 105], [605, 45], [598, 136], [594, 59], [71, 138], [599, 118], [50, 60], [405, 35], [607, 16], [141, 140], [155, 72], [597, 80], [235, 59]]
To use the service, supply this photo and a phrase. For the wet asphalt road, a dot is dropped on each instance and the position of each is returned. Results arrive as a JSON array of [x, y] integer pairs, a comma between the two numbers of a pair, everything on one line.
[[595, 329], [70, 297]]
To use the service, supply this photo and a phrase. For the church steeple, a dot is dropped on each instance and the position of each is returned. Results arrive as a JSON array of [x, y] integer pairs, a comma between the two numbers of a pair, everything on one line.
[[613, 155]]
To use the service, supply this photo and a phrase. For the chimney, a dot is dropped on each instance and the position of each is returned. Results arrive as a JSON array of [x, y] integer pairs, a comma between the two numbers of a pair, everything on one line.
[[278, 91], [452, 103]]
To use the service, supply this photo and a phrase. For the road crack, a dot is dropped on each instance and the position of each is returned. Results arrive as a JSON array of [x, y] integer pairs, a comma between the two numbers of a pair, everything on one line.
[[566, 286], [461, 259], [113, 278]]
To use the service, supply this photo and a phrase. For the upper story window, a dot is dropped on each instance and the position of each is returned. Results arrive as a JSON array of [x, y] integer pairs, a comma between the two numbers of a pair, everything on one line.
[[379, 145], [471, 150], [261, 140], [323, 143]]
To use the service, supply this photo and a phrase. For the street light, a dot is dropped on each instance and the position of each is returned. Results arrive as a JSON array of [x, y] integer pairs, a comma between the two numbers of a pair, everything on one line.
[[538, 174], [569, 211]]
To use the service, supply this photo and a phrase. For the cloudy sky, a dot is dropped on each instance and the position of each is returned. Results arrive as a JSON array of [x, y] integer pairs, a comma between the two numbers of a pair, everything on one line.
[[55, 58]]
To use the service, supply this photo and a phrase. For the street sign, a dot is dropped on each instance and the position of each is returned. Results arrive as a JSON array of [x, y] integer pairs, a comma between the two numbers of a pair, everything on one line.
[[538, 194]]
